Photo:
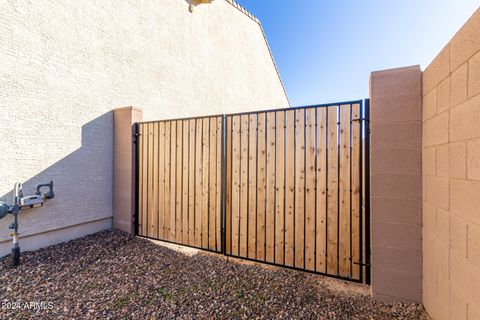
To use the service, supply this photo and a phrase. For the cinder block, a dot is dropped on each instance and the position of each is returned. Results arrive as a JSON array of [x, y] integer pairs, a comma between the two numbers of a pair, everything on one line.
[[458, 159], [442, 230], [474, 75], [443, 160], [407, 186], [466, 276], [473, 245], [443, 95], [429, 161], [458, 85], [398, 135], [466, 42], [465, 120], [396, 82], [458, 235], [398, 109], [473, 159], [396, 161], [401, 261], [438, 191], [429, 221], [396, 210], [465, 199], [400, 287], [428, 272], [473, 310], [459, 123], [458, 303], [438, 70], [442, 283], [396, 235], [430, 104], [435, 130]]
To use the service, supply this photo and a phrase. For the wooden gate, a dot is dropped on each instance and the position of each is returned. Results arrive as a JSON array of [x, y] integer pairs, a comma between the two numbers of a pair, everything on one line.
[[179, 181], [284, 187]]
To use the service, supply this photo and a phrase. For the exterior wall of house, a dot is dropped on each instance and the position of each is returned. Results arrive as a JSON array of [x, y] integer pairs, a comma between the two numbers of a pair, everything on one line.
[[67, 64], [451, 178]]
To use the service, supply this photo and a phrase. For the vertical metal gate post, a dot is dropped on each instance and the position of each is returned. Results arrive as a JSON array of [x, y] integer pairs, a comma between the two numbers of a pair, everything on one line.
[[136, 135], [367, 191], [224, 185]]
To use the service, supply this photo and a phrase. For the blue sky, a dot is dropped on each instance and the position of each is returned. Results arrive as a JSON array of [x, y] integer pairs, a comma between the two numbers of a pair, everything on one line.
[[326, 49]]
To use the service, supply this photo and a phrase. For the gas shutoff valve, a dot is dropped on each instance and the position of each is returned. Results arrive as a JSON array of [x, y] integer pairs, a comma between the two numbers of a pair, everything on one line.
[[22, 202]]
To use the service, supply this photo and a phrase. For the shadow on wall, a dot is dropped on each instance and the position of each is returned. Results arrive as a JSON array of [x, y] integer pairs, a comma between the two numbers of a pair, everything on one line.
[[83, 183]]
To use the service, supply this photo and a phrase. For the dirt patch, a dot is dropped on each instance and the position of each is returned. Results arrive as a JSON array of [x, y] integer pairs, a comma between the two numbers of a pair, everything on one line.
[[112, 275]]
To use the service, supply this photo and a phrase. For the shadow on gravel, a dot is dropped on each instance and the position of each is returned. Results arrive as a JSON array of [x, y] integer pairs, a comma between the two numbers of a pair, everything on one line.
[[113, 275]]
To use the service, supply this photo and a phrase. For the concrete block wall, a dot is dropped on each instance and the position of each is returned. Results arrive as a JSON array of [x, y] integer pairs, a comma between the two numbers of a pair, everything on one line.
[[396, 184], [451, 178], [124, 175], [67, 64]]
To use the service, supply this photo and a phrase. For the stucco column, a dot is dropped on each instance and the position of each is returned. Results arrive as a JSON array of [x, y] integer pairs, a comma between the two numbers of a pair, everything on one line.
[[123, 166], [396, 184]]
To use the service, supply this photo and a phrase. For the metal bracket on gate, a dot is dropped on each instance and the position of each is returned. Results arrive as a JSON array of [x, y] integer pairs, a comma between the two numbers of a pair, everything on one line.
[[135, 136]]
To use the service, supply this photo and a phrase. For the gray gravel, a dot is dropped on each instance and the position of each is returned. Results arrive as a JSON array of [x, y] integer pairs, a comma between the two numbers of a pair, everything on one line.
[[112, 275]]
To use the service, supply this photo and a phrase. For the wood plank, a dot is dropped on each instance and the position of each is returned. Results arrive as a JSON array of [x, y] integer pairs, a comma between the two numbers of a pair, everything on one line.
[[198, 182], [243, 184], [161, 180], [205, 182], [212, 184], [141, 177], [279, 189], [356, 210], [150, 203], [173, 179], [332, 194], [261, 188], [310, 222], [344, 200], [168, 186], [228, 224], [235, 219], [185, 185], [191, 181], [218, 197], [179, 184], [321, 185], [252, 187], [299, 188], [270, 205], [289, 189], [155, 182]]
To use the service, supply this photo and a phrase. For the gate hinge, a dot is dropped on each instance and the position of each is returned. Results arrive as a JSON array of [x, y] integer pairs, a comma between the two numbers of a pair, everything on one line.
[[135, 136]]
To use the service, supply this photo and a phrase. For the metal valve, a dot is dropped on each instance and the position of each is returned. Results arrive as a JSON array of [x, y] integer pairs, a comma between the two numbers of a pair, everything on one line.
[[22, 202]]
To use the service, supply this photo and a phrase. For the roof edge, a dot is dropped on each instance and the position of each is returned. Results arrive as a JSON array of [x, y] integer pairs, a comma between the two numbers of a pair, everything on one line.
[[243, 10], [275, 64]]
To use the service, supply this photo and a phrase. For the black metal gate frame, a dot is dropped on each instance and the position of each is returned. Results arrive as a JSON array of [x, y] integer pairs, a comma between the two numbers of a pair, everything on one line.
[[365, 205]]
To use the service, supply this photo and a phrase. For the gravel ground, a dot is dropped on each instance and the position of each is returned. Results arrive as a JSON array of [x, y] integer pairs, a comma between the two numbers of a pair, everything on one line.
[[113, 275]]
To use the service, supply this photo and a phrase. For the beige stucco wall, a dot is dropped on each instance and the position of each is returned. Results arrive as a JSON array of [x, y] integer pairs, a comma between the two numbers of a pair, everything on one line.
[[451, 178], [66, 64]]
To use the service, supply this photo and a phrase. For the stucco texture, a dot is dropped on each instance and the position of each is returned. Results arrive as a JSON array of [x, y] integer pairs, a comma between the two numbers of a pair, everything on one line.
[[67, 64], [451, 178]]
